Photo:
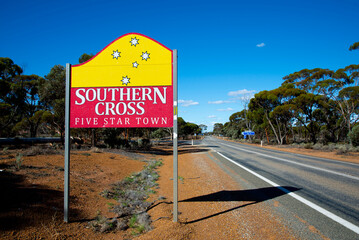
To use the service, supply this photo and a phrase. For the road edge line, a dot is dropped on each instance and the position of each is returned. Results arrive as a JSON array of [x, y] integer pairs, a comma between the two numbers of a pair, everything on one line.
[[314, 206]]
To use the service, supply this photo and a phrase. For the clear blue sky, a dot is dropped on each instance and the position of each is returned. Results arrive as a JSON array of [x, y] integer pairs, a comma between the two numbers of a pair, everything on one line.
[[224, 47]]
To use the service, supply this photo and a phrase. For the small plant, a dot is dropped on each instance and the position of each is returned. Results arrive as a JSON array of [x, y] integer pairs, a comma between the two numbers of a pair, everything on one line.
[[110, 205], [129, 179], [52, 228], [151, 191], [58, 168], [343, 149], [37, 150], [317, 146], [96, 150], [140, 229], [18, 161], [131, 194], [132, 222], [308, 146], [5, 150]]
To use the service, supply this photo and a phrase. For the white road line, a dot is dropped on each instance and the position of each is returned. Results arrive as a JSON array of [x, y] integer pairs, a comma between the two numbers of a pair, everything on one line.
[[330, 215], [300, 164]]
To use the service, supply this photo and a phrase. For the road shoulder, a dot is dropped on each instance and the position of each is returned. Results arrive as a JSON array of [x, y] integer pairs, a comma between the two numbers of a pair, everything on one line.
[[213, 205]]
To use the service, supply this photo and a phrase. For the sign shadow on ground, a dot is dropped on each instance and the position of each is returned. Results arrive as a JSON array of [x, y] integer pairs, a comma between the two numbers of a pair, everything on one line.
[[253, 196]]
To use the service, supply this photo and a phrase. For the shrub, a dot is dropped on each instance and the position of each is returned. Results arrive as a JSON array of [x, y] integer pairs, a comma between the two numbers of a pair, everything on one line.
[[325, 148], [144, 143], [159, 133], [353, 149], [96, 150], [40, 150], [308, 146], [332, 146], [18, 162], [343, 149], [318, 146], [5, 150], [354, 136], [257, 141]]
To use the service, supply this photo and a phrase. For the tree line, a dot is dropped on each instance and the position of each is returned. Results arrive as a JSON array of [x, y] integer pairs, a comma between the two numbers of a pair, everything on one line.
[[311, 105], [31, 105]]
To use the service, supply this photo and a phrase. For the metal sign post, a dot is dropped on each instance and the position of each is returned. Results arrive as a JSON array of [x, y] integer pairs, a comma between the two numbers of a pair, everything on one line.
[[175, 139], [67, 143]]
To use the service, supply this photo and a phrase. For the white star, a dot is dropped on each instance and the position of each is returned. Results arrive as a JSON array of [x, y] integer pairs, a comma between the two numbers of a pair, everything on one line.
[[125, 80], [145, 55], [134, 41], [116, 54], [135, 64]]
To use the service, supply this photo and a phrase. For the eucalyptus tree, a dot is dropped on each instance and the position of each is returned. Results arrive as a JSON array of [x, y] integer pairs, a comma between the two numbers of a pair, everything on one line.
[[85, 57], [10, 102], [218, 128], [32, 109], [275, 113], [343, 90], [203, 127], [354, 46], [236, 124], [52, 94]]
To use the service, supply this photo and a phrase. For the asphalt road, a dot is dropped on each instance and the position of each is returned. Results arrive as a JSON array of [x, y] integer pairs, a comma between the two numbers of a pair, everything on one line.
[[320, 197]]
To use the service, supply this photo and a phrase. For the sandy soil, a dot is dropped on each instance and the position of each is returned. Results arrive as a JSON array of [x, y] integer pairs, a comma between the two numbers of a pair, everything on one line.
[[212, 204]]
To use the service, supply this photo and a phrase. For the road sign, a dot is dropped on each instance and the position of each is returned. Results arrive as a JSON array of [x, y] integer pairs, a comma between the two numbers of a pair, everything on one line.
[[131, 83], [127, 84], [248, 133]]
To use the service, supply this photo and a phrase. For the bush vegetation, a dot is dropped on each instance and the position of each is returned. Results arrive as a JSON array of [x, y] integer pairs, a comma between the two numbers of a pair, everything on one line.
[[131, 194]]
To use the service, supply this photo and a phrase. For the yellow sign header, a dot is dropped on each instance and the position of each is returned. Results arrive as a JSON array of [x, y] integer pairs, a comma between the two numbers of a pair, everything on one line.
[[131, 60]]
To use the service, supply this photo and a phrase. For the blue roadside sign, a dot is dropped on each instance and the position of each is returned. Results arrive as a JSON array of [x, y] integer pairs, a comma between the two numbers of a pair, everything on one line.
[[248, 133]]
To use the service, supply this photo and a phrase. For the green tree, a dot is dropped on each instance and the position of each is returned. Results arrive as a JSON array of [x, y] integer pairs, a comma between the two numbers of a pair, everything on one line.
[[191, 129], [342, 89], [85, 57], [32, 108], [10, 100], [218, 128], [352, 74], [33, 122], [307, 79], [159, 133], [354, 46], [268, 101], [180, 126], [354, 136], [93, 131], [52, 94], [236, 124], [203, 128]]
